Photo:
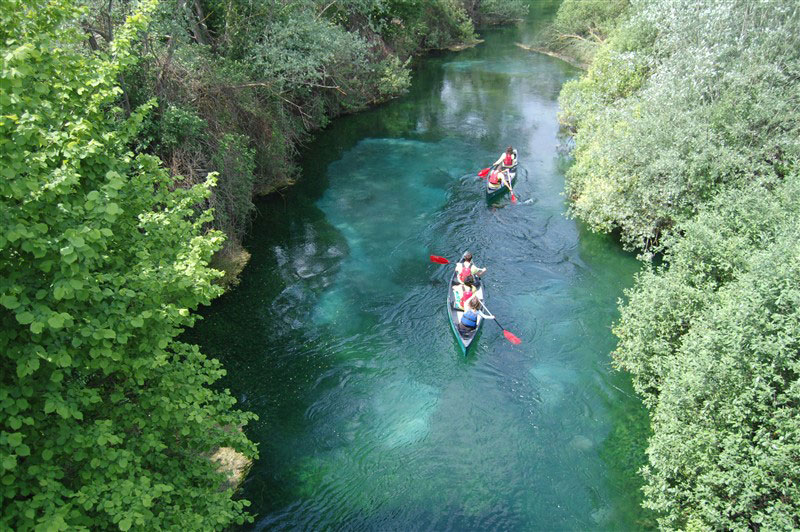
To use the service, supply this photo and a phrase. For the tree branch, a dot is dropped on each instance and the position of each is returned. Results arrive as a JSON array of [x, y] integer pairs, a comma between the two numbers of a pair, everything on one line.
[[319, 15], [564, 36]]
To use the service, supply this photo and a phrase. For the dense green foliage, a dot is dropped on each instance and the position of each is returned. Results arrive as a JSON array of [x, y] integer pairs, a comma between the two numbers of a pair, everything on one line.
[[713, 343], [688, 139], [490, 12], [266, 73], [107, 419], [685, 101], [581, 27]]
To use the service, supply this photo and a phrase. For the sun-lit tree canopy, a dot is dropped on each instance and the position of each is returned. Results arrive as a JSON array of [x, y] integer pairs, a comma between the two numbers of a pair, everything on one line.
[[107, 419]]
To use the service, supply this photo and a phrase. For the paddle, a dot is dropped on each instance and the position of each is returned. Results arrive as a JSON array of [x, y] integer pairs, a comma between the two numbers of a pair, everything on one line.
[[508, 184], [509, 336], [440, 260], [483, 173]]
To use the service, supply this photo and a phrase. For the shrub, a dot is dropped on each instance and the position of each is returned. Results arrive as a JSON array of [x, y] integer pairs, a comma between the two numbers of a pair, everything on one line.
[[107, 419]]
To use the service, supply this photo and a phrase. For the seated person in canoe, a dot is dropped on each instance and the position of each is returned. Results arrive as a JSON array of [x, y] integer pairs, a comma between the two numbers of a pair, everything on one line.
[[507, 159], [463, 293], [499, 178], [465, 268], [469, 320]]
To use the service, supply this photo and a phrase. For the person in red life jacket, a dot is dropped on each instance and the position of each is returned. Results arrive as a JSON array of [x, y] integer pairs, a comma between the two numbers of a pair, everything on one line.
[[508, 159], [469, 320], [465, 268], [464, 292], [498, 178]]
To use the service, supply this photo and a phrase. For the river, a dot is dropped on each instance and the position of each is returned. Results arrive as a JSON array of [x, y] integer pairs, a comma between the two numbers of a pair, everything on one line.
[[371, 418]]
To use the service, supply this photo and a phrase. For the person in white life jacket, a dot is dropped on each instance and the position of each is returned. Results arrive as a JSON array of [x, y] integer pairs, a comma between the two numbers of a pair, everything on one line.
[[508, 159], [469, 320], [466, 268]]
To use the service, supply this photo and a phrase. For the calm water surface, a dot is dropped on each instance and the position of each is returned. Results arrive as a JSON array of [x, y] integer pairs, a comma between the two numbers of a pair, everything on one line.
[[337, 336]]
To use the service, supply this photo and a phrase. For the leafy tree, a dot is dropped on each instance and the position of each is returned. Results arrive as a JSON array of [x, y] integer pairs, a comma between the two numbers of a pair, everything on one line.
[[409, 27], [581, 27], [300, 55], [687, 143], [107, 419], [618, 70], [496, 11], [705, 101], [712, 341]]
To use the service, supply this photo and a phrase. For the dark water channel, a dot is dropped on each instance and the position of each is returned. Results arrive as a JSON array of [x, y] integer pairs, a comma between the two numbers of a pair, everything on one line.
[[337, 336]]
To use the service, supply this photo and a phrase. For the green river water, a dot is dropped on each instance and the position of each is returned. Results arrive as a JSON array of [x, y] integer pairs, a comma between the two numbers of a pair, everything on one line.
[[371, 418]]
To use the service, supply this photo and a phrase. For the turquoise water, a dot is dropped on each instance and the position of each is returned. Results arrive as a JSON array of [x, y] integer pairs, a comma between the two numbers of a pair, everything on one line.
[[370, 416]]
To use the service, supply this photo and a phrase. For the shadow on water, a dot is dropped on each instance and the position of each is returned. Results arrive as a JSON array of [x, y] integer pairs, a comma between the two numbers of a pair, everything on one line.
[[370, 415]]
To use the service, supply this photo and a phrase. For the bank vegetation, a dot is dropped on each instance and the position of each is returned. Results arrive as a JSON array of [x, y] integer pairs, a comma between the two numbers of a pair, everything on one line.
[[687, 138], [240, 85]]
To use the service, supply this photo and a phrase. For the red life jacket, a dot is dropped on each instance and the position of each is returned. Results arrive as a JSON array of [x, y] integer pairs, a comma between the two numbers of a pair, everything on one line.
[[493, 177], [509, 160], [465, 272], [464, 297]]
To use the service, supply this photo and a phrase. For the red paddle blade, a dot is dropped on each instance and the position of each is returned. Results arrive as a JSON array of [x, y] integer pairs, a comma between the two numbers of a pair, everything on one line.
[[440, 260], [483, 173], [513, 198], [511, 338]]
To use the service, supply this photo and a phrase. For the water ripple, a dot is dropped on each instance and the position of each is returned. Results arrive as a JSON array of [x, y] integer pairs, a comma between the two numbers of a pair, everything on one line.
[[371, 418]]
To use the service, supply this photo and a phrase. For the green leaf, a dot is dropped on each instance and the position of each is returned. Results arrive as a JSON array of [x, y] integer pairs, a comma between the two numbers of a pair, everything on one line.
[[58, 292], [9, 301], [125, 524], [55, 321], [24, 318], [9, 462], [15, 439]]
